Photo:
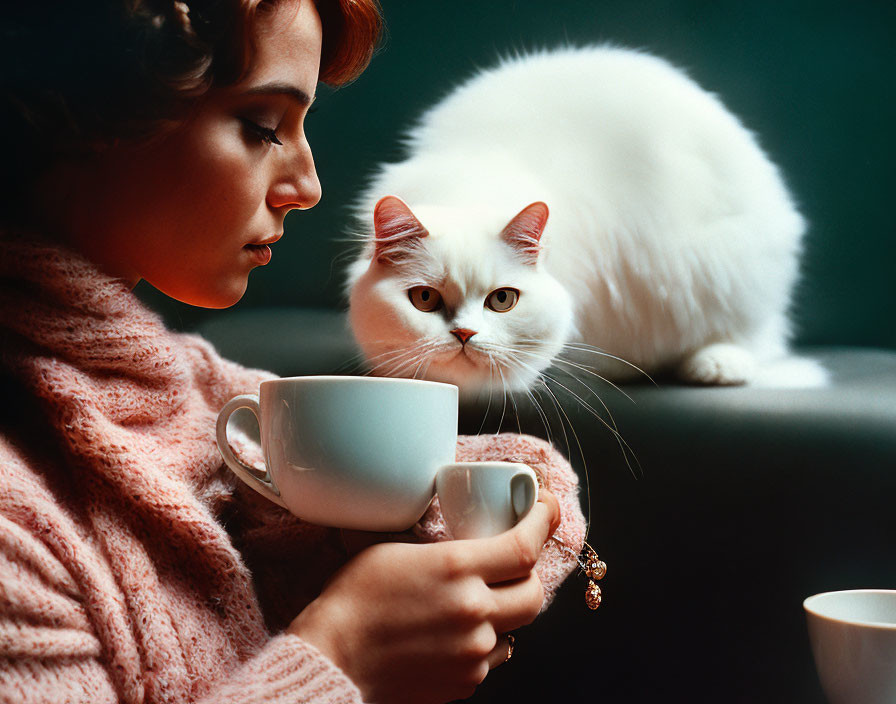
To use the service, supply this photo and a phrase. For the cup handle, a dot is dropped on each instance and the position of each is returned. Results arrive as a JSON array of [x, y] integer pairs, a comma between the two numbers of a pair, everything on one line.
[[263, 485], [523, 492]]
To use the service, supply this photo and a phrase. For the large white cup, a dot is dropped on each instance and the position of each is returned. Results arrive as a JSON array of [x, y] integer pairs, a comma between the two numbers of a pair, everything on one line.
[[364, 453], [853, 637]]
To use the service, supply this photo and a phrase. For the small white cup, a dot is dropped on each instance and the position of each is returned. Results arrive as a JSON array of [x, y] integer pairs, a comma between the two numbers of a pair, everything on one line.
[[481, 499], [365, 453], [853, 637]]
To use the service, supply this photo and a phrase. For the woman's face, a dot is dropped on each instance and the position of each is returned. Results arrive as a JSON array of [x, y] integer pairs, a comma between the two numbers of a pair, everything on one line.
[[192, 214]]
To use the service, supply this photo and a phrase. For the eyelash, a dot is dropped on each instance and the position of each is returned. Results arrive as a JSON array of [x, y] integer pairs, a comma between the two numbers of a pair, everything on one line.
[[265, 134]]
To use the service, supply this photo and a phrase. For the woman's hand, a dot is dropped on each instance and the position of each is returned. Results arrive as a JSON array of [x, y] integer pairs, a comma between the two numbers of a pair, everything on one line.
[[425, 623]]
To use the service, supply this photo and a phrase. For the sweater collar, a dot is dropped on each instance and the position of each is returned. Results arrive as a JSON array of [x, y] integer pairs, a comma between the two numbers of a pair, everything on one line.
[[57, 304]]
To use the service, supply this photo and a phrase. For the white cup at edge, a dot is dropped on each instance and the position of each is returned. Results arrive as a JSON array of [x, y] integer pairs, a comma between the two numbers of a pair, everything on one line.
[[853, 638]]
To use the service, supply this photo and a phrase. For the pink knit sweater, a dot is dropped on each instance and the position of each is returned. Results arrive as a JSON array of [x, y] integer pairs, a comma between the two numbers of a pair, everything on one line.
[[133, 568]]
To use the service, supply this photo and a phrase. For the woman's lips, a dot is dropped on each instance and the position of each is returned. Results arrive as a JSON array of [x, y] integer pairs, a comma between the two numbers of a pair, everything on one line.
[[261, 252]]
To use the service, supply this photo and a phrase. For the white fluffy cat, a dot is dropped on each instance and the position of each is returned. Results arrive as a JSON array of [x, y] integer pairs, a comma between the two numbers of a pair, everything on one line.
[[576, 199]]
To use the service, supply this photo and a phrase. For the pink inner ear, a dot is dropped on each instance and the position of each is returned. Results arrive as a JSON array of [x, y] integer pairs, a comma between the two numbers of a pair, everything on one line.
[[523, 233], [397, 230]]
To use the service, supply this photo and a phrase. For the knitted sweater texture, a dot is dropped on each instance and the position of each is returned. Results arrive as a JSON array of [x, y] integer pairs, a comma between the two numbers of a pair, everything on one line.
[[133, 566]]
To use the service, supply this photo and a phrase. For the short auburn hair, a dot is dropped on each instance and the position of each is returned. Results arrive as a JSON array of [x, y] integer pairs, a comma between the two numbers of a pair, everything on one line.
[[78, 75]]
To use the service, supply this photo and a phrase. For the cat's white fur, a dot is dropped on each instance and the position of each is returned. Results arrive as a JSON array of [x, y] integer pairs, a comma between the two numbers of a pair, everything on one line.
[[672, 242]]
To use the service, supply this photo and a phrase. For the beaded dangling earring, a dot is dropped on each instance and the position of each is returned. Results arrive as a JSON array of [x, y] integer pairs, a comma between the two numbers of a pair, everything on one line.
[[595, 569]]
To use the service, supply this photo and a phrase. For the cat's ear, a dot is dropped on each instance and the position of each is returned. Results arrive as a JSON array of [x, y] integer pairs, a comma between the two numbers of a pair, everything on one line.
[[523, 233], [397, 230]]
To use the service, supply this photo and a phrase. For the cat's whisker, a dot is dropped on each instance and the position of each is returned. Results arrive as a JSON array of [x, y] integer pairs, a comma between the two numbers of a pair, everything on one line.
[[423, 367], [389, 353], [394, 350], [509, 354], [355, 364], [337, 262], [542, 415], [504, 408], [382, 369], [409, 364], [583, 347], [587, 370], [591, 349], [575, 435], [420, 361], [599, 399], [587, 406], [509, 351], [398, 359], [516, 412], [573, 376], [360, 361], [394, 356], [353, 236], [593, 392], [491, 375], [558, 408], [396, 362], [544, 358], [512, 360], [623, 444], [584, 458]]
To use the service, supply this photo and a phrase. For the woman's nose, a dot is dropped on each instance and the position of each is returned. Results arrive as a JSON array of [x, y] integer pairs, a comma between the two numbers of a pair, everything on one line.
[[296, 185]]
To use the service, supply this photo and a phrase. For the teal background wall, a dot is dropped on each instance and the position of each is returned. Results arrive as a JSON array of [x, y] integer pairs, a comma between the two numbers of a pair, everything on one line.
[[814, 79]]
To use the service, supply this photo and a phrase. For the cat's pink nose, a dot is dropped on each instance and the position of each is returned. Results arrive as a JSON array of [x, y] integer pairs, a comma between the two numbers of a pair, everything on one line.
[[463, 334]]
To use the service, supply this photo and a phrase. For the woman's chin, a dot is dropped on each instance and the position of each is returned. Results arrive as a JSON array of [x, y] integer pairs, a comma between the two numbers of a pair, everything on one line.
[[224, 296], [213, 294]]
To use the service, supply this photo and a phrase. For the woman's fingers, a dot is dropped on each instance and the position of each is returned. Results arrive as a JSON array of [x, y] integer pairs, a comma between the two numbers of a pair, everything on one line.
[[516, 603], [502, 651], [553, 505], [512, 554], [435, 614], [354, 541]]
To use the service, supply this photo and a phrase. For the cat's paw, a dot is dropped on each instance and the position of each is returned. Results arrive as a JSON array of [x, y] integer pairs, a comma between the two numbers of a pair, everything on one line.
[[720, 364]]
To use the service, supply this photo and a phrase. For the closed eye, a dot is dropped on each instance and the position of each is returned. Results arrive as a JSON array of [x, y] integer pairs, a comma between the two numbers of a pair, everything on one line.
[[260, 132]]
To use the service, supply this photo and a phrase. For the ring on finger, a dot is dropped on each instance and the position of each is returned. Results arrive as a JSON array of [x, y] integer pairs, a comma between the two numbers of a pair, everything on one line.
[[510, 641]]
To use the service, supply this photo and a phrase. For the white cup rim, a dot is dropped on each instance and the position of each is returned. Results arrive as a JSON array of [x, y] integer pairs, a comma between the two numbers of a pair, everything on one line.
[[490, 463], [329, 378], [810, 604]]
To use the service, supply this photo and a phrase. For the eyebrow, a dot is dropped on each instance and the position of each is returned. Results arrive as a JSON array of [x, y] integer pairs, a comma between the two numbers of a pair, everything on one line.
[[291, 91]]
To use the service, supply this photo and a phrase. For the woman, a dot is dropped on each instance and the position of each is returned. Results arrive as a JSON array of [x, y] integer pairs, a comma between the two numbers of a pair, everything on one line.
[[165, 142]]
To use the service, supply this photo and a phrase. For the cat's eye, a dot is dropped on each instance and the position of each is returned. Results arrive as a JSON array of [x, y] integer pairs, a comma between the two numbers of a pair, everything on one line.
[[425, 298], [502, 300]]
